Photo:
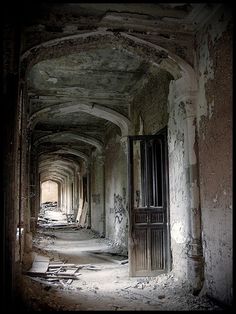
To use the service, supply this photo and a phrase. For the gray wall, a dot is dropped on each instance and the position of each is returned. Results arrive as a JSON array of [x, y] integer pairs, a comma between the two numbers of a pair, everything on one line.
[[116, 191], [214, 68], [149, 106], [154, 108], [156, 105], [178, 183], [97, 195]]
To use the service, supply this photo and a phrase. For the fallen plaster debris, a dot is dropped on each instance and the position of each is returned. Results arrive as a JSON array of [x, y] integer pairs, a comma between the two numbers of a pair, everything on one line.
[[43, 268]]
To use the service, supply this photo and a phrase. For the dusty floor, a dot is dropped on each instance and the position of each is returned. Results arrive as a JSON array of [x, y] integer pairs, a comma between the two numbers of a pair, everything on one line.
[[103, 282]]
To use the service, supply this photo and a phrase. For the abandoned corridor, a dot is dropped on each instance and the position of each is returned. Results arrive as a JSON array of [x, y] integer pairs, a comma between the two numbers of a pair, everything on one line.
[[124, 110]]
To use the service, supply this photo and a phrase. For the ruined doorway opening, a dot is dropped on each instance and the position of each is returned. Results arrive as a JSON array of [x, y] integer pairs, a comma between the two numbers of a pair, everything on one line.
[[49, 201], [149, 247], [49, 192]]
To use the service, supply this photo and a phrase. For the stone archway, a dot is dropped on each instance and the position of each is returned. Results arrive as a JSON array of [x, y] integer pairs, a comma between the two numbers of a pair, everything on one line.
[[182, 93]]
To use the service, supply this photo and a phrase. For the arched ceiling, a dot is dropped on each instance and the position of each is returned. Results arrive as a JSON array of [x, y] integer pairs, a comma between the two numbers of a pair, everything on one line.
[[63, 138], [75, 98], [76, 95]]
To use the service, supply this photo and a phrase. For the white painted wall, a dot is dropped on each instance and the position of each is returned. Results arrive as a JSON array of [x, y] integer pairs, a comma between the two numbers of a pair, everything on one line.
[[49, 190]]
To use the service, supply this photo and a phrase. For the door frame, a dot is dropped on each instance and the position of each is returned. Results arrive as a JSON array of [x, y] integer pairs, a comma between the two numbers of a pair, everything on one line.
[[163, 133]]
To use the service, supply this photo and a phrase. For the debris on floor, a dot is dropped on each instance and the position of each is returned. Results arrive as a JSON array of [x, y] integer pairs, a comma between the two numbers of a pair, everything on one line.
[[81, 271], [55, 270], [40, 265]]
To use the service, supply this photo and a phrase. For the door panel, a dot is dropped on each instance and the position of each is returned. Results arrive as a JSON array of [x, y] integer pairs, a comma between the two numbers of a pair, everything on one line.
[[148, 205], [157, 260], [141, 258]]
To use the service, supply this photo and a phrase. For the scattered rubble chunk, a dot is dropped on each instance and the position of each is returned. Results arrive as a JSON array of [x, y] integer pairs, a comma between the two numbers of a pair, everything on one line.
[[161, 296], [43, 268]]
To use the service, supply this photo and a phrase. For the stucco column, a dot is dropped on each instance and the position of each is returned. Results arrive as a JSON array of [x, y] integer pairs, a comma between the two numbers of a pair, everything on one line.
[[101, 161], [37, 183], [68, 195], [124, 145], [75, 191], [25, 198], [59, 195], [63, 196], [33, 191], [79, 179], [195, 254], [88, 169]]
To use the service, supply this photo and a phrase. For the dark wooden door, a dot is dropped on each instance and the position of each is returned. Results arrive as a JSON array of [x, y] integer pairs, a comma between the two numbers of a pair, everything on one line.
[[148, 205]]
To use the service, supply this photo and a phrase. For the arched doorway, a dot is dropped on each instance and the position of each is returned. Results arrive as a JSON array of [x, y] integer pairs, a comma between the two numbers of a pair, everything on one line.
[[49, 192], [142, 57]]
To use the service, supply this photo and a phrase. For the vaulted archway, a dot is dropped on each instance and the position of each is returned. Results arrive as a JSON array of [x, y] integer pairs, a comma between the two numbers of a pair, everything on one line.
[[75, 102], [88, 80]]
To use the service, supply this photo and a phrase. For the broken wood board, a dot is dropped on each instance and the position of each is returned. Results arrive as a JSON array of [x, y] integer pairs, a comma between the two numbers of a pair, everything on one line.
[[41, 268], [67, 272], [58, 275], [84, 214], [79, 210], [40, 264], [55, 265]]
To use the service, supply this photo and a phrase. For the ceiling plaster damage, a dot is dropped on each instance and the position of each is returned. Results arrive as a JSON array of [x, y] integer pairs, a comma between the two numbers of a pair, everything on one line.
[[78, 92]]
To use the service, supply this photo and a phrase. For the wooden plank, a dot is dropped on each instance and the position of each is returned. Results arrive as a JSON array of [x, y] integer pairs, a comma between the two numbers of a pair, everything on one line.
[[84, 214], [80, 210], [40, 264], [62, 273], [46, 275], [62, 265]]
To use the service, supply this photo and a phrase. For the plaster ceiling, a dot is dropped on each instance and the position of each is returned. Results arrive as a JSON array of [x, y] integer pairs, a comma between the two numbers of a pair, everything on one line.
[[105, 76]]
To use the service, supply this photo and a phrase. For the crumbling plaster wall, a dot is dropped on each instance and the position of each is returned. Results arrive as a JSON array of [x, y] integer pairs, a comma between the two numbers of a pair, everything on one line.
[[97, 195], [152, 109], [214, 117], [178, 182], [81, 196], [148, 112], [116, 202]]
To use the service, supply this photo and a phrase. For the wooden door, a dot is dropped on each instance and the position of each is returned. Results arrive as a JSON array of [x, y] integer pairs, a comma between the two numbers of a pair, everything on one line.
[[148, 205]]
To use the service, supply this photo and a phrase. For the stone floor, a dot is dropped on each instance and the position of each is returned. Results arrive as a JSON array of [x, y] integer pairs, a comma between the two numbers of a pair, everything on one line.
[[105, 285]]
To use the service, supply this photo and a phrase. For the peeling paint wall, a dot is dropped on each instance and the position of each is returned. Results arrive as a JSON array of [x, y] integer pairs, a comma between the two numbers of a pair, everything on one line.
[[154, 108], [148, 108], [214, 68], [178, 182], [82, 194], [116, 191]]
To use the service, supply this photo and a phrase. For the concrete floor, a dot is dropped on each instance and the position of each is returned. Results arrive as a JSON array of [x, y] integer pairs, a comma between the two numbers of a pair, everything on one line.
[[105, 285]]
